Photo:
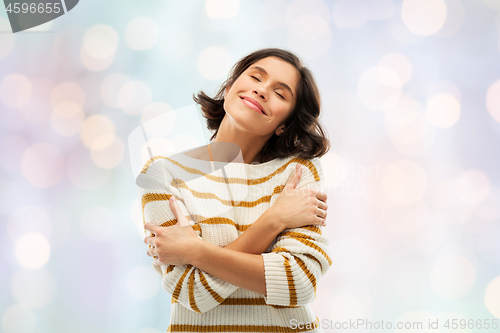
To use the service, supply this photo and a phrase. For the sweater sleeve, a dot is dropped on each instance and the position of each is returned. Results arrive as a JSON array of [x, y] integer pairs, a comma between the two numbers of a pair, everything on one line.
[[194, 289], [299, 256]]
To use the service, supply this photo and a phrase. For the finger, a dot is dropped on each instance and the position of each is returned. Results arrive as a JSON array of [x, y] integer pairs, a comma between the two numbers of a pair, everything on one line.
[[150, 241], [152, 252], [321, 213], [182, 222], [151, 227], [322, 205], [321, 196], [292, 183], [172, 206]]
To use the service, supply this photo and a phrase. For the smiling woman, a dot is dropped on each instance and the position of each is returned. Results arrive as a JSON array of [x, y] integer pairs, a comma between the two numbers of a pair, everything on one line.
[[253, 267]]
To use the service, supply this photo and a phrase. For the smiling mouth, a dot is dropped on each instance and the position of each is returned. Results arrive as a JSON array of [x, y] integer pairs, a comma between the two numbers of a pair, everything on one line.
[[251, 105]]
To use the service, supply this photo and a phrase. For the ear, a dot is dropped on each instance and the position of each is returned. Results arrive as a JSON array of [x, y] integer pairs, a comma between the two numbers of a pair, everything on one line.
[[280, 130], [226, 90]]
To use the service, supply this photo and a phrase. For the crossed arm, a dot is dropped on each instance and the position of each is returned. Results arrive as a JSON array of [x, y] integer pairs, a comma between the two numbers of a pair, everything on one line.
[[205, 274]]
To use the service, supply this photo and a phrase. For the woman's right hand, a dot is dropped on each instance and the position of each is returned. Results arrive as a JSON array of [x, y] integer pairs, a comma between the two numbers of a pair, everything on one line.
[[299, 207]]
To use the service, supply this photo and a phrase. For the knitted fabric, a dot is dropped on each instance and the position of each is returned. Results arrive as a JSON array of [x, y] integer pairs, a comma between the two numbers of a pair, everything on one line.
[[219, 212]]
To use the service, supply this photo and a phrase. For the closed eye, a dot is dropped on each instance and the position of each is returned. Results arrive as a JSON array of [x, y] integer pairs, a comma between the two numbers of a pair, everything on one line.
[[255, 78], [280, 96]]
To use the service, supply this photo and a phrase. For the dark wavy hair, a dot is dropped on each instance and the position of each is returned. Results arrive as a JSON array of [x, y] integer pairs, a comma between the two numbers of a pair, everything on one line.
[[303, 136]]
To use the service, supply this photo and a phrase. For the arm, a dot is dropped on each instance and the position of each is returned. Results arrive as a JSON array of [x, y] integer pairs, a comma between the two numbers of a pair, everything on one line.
[[194, 289], [260, 235], [299, 257], [287, 276]]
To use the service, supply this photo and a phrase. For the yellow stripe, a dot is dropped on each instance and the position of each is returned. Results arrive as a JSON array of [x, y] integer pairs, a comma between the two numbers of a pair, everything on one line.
[[178, 287], [312, 228], [310, 256], [307, 163], [311, 276], [291, 284], [178, 183], [212, 292], [240, 328], [295, 235], [282, 249], [192, 301], [314, 246], [253, 301], [169, 269]]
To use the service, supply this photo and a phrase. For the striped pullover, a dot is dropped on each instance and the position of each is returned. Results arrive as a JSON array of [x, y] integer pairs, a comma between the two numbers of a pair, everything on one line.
[[221, 205]]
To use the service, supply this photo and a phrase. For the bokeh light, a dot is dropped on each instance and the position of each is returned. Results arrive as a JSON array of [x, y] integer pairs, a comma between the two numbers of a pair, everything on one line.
[[214, 63], [100, 41], [443, 110], [348, 14], [110, 88], [69, 92], [32, 250], [96, 126], [176, 43], [310, 35], [100, 224], [406, 220], [472, 187], [133, 97], [143, 282], [455, 15], [400, 64], [67, 118], [29, 219], [413, 283], [404, 182], [32, 288], [15, 90], [489, 208], [158, 109], [83, 172], [493, 100], [141, 33], [12, 148], [423, 17], [222, 8], [107, 151], [351, 302], [452, 276], [19, 319], [43, 164], [379, 88], [491, 297], [308, 25], [335, 170]]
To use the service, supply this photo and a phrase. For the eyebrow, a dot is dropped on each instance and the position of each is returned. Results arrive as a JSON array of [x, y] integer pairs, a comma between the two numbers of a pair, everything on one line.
[[282, 84]]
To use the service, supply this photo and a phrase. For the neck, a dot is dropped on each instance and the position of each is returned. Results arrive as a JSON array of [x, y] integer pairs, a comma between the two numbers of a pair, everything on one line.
[[250, 144]]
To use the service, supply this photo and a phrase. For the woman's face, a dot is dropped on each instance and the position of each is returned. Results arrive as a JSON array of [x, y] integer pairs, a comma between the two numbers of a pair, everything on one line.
[[263, 95]]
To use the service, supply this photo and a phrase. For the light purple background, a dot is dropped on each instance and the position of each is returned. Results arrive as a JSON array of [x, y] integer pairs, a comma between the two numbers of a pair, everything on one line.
[[411, 102]]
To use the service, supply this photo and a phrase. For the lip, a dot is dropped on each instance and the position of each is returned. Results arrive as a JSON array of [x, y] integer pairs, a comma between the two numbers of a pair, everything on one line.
[[255, 103]]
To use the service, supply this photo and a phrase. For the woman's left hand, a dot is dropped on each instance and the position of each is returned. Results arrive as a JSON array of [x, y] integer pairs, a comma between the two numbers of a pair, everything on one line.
[[173, 245]]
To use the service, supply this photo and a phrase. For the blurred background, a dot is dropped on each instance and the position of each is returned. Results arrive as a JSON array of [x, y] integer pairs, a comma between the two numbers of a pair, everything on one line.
[[411, 102]]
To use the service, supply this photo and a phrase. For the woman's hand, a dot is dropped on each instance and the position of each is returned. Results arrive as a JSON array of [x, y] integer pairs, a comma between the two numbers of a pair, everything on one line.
[[174, 245], [299, 207]]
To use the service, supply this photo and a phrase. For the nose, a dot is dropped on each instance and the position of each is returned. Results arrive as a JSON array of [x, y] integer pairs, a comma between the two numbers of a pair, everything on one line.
[[260, 91]]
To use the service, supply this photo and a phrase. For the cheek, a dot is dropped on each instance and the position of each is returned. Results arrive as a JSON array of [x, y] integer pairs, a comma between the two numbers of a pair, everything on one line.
[[281, 110]]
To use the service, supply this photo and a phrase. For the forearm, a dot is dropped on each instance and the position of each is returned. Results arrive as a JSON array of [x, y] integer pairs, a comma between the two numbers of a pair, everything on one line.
[[257, 238], [240, 269]]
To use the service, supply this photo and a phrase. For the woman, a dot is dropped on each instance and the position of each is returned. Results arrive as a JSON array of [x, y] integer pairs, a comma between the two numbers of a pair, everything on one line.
[[253, 268]]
